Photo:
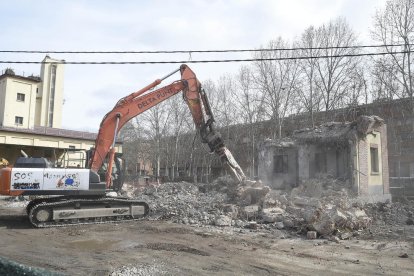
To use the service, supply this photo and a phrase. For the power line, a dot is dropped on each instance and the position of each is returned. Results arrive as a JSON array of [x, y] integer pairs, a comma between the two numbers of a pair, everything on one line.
[[204, 61], [205, 51]]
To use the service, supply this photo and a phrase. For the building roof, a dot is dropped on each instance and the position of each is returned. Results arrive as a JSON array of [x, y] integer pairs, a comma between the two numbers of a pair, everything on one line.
[[331, 133], [285, 142], [326, 133], [58, 132], [334, 132], [9, 73]]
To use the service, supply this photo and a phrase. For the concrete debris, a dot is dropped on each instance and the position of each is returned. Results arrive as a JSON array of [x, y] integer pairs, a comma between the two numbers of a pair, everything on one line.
[[222, 220], [252, 225], [251, 211], [231, 210], [332, 214], [252, 192], [279, 225], [156, 268], [17, 202], [347, 235], [271, 215], [334, 239], [337, 132], [311, 235], [366, 124]]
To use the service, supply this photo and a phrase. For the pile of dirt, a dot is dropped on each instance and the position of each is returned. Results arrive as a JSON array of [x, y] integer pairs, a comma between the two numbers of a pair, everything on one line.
[[391, 220], [396, 213]]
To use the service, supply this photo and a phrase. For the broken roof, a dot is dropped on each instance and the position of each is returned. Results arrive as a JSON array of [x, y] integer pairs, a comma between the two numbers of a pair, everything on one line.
[[331, 133]]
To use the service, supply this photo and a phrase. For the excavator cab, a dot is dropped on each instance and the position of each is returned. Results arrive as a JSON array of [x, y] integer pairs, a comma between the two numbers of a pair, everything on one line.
[[118, 172]]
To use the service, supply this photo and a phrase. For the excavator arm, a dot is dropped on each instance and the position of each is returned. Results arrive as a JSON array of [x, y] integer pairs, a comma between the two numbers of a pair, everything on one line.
[[142, 100]]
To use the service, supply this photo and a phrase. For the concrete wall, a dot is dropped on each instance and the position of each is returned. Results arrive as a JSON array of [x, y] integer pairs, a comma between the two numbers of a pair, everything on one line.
[[10, 107], [375, 179], [335, 161], [373, 183], [384, 160], [305, 155], [362, 168], [302, 164], [50, 94], [266, 170], [3, 84]]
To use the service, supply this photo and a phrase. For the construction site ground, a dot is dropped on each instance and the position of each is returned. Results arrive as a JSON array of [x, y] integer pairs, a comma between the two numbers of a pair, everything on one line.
[[164, 248]]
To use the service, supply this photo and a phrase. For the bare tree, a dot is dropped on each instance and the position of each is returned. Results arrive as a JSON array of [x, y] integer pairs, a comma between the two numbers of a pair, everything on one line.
[[384, 80], [277, 79], [394, 26], [136, 150], [334, 70], [156, 125], [250, 108], [179, 113], [222, 103], [308, 95]]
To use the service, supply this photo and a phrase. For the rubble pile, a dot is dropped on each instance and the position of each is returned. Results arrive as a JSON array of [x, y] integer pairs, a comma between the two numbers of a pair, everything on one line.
[[391, 220], [183, 202], [205, 204], [330, 213], [396, 213], [319, 208]]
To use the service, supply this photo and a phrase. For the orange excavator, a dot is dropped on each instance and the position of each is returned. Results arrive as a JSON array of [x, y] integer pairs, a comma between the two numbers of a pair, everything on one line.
[[79, 195]]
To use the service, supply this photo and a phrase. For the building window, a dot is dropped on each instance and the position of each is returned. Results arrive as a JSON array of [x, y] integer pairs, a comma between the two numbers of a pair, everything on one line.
[[404, 169], [280, 163], [20, 97], [320, 162], [373, 150], [52, 94], [18, 120]]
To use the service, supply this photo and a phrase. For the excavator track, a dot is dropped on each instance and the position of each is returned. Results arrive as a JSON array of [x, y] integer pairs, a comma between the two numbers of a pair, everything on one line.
[[58, 212]]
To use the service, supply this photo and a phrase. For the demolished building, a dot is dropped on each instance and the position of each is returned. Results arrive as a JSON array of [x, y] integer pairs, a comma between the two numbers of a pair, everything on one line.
[[353, 154]]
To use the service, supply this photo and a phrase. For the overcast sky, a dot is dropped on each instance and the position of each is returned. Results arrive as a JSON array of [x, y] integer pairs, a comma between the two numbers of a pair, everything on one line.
[[90, 91]]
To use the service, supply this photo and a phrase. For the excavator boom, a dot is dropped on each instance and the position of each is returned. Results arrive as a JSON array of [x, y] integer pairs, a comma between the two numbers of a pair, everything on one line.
[[142, 100]]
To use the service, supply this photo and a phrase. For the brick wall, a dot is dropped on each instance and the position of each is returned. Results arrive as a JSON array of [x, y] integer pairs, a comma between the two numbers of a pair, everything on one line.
[[384, 150], [363, 167]]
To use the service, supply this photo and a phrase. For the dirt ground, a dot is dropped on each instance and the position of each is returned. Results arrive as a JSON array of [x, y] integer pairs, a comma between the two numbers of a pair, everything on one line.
[[164, 248]]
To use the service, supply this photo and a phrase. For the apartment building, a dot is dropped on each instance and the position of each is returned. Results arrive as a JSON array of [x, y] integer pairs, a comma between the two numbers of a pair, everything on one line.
[[31, 117], [31, 101]]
